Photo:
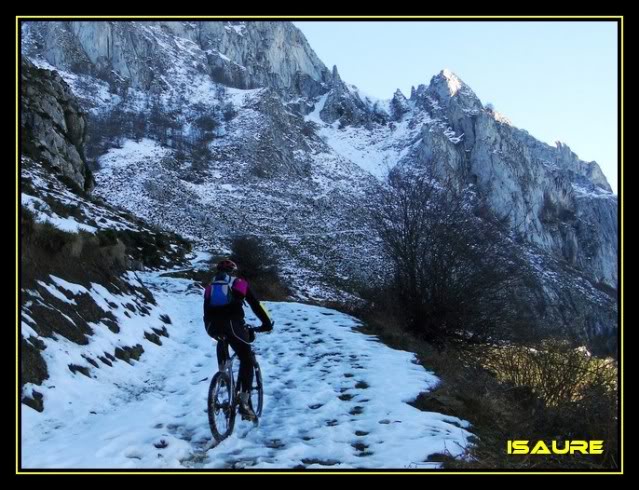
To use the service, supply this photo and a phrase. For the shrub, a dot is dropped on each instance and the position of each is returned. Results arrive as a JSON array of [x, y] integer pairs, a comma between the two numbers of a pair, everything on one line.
[[258, 265], [453, 275], [49, 238], [550, 392], [229, 112], [252, 257], [107, 237], [62, 209], [71, 184], [206, 123], [556, 372]]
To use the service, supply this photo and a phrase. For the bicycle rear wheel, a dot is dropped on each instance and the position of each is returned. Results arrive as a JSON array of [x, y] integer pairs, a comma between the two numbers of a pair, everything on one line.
[[221, 406]]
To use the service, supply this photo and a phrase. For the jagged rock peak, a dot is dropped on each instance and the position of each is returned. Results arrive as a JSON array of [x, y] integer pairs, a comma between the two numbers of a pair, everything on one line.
[[447, 88], [453, 82], [418, 92], [399, 94], [447, 84], [399, 104], [590, 170]]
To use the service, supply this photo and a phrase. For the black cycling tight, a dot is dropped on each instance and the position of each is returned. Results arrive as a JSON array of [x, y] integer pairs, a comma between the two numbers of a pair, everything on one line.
[[238, 337]]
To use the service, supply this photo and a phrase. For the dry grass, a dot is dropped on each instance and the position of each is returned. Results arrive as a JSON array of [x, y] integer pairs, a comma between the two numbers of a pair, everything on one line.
[[554, 371]]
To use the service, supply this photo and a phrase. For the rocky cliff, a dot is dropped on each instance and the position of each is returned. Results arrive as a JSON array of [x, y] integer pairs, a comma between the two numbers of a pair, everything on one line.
[[559, 202], [238, 54], [52, 125]]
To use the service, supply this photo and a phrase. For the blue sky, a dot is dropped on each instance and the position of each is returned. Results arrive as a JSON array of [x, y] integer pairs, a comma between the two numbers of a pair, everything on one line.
[[557, 80]]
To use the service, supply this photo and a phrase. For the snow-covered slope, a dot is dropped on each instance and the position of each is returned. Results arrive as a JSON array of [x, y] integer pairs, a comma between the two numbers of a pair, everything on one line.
[[292, 195], [334, 398], [82, 306]]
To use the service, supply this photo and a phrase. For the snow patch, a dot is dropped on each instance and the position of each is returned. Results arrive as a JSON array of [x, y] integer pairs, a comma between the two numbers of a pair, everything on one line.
[[454, 83], [131, 153]]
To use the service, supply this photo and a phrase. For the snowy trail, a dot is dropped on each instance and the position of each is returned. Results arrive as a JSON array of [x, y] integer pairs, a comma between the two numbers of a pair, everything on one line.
[[334, 398]]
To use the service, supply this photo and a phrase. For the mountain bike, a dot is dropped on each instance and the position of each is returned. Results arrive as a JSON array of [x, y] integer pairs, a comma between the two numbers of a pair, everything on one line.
[[224, 396]]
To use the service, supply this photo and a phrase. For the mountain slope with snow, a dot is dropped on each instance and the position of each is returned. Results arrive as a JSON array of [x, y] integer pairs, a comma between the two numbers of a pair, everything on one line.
[[275, 145], [334, 398]]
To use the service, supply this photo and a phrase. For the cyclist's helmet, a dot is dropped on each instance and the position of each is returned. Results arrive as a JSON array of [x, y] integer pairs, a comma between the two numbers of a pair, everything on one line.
[[227, 266]]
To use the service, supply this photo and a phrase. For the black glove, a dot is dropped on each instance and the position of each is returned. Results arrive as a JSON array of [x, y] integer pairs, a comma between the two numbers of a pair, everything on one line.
[[265, 327], [251, 334]]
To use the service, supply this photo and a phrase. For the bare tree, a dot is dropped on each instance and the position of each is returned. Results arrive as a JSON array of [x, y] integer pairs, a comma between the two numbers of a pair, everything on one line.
[[454, 272]]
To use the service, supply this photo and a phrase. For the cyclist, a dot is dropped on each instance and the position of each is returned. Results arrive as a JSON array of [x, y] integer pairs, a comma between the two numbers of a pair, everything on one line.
[[224, 321]]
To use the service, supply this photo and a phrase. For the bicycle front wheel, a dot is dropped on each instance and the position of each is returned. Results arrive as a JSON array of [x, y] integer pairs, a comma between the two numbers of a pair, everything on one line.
[[221, 406]]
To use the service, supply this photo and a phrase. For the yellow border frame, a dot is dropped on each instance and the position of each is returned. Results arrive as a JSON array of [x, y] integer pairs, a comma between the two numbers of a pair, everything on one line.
[[451, 18]]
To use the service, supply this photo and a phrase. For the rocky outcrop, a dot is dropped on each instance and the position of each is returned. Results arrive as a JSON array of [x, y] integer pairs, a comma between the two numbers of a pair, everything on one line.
[[345, 104], [399, 105], [52, 125], [279, 147], [238, 54], [272, 54]]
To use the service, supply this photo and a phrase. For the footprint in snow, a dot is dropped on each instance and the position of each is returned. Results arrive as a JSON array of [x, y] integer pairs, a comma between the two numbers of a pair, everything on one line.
[[275, 444], [161, 444], [133, 453], [359, 446], [357, 410]]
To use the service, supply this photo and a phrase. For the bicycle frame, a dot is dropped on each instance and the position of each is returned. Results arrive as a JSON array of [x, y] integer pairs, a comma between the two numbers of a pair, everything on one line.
[[235, 383]]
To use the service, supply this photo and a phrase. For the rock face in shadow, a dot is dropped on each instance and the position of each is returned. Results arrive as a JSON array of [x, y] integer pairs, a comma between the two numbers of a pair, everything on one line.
[[52, 125]]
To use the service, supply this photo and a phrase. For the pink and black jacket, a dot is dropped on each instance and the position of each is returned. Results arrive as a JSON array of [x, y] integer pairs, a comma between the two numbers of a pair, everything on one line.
[[234, 311]]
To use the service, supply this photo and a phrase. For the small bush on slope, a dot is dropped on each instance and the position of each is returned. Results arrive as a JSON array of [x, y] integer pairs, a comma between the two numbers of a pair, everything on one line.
[[259, 266]]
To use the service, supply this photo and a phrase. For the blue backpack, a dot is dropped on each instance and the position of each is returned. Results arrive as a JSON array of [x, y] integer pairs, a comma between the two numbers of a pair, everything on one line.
[[221, 292]]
